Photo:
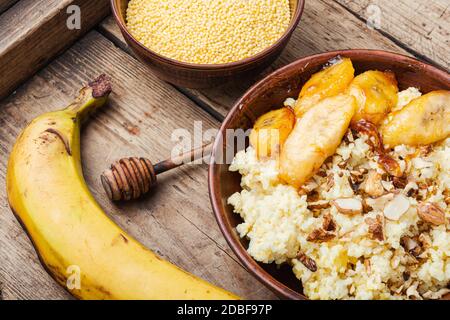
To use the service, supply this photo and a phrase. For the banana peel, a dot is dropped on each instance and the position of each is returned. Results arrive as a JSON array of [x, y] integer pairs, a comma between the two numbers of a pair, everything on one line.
[[69, 230]]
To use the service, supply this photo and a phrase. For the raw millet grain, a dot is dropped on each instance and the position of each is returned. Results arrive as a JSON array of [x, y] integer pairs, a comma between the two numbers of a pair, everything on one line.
[[208, 31]]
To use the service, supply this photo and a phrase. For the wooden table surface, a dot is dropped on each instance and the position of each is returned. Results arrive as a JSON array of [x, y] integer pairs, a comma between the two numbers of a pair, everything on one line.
[[176, 221]]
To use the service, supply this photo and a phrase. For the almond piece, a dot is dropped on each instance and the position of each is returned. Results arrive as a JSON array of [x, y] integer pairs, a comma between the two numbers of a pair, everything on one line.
[[372, 185], [349, 206], [431, 212], [396, 207], [379, 203], [318, 205], [307, 261], [387, 185]]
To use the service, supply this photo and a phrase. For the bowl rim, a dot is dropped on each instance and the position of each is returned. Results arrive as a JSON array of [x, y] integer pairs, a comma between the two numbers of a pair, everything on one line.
[[229, 65], [255, 269]]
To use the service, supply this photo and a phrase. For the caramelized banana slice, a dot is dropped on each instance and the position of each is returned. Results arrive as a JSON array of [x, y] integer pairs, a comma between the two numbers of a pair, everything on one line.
[[424, 120], [375, 93], [326, 83], [270, 132], [315, 137]]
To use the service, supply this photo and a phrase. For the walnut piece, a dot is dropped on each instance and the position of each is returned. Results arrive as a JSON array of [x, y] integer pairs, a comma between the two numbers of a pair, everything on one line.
[[389, 164], [320, 235], [328, 223], [376, 227], [318, 205], [431, 212], [307, 261], [400, 182]]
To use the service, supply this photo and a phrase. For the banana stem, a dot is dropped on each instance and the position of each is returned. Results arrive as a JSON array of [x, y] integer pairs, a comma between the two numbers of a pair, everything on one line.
[[91, 97]]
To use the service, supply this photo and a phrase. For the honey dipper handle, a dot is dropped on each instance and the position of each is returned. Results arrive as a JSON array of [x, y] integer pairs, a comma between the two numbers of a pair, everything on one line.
[[181, 159]]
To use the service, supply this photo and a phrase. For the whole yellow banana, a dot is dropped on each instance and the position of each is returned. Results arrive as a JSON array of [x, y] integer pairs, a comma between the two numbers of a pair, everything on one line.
[[71, 233]]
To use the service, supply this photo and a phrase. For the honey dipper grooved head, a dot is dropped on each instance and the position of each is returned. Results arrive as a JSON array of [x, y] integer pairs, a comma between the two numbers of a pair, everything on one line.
[[128, 178]]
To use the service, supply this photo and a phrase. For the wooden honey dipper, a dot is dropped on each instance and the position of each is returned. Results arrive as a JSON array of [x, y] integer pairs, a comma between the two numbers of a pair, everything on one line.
[[130, 178]]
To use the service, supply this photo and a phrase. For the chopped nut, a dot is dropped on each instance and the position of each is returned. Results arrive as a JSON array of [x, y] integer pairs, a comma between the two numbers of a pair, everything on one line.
[[321, 173], [376, 227], [330, 182], [342, 164], [411, 246], [320, 235], [436, 295], [307, 187], [412, 292], [312, 196], [328, 223], [356, 173], [350, 206], [400, 182], [432, 213], [425, 240], [387, 185], [353, 184], [372, 185], [379, 203], [390, 165], [365, 206], [369, 129], [396, 207], [318, 205], [307, 261]]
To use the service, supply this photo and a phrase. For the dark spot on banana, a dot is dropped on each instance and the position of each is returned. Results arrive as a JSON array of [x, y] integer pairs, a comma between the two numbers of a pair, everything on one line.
[[119, 238], [124, 238], [103, 290], [62, 138]]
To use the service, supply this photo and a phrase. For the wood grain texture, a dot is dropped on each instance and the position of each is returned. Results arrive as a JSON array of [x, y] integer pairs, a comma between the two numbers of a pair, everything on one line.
[[325, 26], [33, 32], [6, 4], [421, 26], [176, 220]]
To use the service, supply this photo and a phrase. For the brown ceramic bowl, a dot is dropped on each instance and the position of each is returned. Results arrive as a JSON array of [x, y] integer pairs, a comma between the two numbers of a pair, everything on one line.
[[193, 75], [269, 94]]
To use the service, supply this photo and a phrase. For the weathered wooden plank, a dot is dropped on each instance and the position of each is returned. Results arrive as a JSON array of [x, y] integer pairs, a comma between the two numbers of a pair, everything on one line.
[[324, 26], [421, 26], [33, 32], [176, 220], [6, 4]]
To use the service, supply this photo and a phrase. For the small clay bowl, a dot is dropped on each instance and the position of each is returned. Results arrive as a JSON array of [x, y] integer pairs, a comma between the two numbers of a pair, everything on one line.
[[193, 75], [269, 94]]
